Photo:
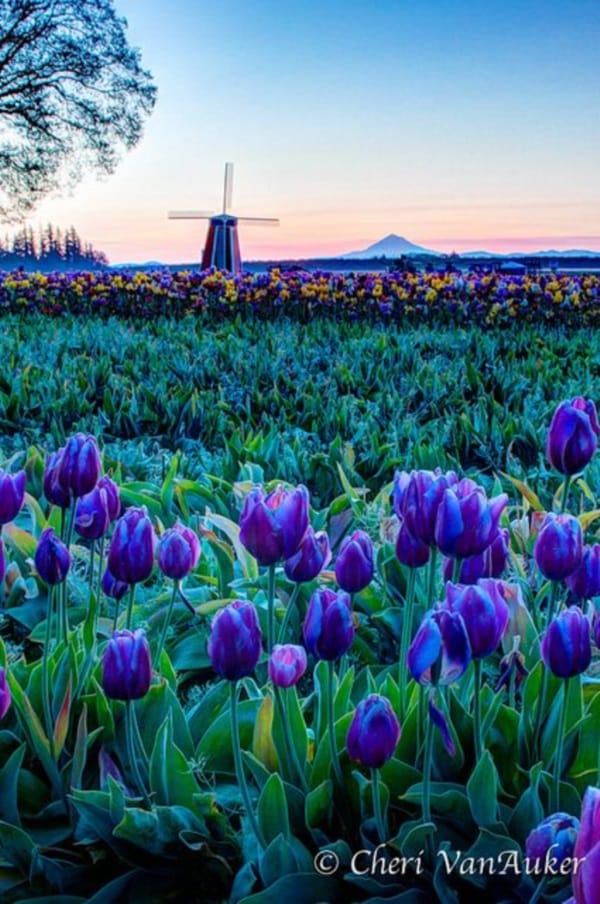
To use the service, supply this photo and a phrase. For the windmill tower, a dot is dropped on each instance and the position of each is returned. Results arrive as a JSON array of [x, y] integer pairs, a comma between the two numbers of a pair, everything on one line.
[[222, 248]]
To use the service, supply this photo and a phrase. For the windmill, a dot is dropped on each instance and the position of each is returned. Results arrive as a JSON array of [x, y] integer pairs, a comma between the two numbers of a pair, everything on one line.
[[222, 248]]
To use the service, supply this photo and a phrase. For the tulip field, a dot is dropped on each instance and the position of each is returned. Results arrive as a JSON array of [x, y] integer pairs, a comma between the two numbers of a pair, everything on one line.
[[299, 594]]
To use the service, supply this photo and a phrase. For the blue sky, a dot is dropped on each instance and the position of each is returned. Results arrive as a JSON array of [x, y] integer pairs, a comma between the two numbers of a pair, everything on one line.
[[457, 124]]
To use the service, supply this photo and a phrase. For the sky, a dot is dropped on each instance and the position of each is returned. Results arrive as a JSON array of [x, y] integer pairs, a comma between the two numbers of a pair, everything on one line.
[[458, 124]]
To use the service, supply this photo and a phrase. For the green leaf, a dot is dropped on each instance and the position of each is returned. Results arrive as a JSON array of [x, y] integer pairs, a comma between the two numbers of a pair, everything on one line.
[[232, 532], [301, 888], [318, 803], [482, 791], [9, 777], [277, 861], [272, 809], [16, 847], [171, 778]]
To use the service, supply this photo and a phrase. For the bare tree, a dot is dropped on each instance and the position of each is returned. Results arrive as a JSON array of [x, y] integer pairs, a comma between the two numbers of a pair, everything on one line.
[[73, 94]]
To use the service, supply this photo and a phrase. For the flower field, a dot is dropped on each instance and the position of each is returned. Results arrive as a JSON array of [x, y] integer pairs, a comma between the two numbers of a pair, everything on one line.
[[301, 609]]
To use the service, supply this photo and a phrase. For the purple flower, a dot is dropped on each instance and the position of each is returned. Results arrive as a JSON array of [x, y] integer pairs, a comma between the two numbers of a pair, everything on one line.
[[409, 551], [441, 723], [178, 552], [287, 664], [374, 732], [440, 652], [272, 526], [131, 553], [311, 557], [584, 582], [421, 499], [92, 514], [566, 646], [2, 560], [52, 558], [113, 588], [354, 563], [234, 645], [484, 612], [573, 435], [12, 494], [490, 563], [467, 521], [53, 489], [127, 666], [398, 494], [558, 549], [328, 627], [5, 696], [586, 879], [112, 497], [555, 836], [79, 468]]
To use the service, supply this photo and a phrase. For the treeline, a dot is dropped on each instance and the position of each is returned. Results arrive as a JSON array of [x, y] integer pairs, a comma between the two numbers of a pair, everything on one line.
[[49, 249]]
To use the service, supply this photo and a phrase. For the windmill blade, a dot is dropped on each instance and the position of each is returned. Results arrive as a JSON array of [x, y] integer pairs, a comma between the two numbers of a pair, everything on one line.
[[190, 214], [259, 221], [228, 187]]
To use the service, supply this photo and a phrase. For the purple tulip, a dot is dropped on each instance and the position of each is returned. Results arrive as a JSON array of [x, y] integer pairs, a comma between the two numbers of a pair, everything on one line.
[[311, 557], [484, 612], [354, 563], [409, 551], [440, 652], [573, 435], [398, 494], [287, 664], [113, 588], [374, 732], [441, 723], [92, 514], [2, 560], [131, 553], [79, 468], [234, 645], [178, 552], [584, 582], [491, 563], [467, 521], [112, 497], [585, 879], [558, 549], [566, 646], [127, 666], [52, 558], [54, 491], [421, 500], [328, 627], [555, 836], [5, 696], [272, 526], [12, 494]]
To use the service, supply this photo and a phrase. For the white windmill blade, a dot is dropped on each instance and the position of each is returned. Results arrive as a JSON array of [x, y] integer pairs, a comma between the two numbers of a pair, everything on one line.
[[190, 214], [259, 221], [228, 187]]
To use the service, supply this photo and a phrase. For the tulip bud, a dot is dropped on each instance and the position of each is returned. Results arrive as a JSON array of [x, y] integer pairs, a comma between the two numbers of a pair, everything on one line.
[[409, 551], [354, 563], [131, 553], [234, 645], [12, 494], [54, 491], [555, 836], [5, 696], [484, 612], [440, 652], [113, 498], [52, 558], [418, 500], [584, 582], [113, 588], [272, 526], [311, 557], [127, 666], [92, 516], [178, 552], [287, 664], [80, 465], [490, 563], [573, 435], [328, 627], [374, 732], [585, 879], [398, 494], [566, 646], [512, 669], [467, 522], [558, 549]]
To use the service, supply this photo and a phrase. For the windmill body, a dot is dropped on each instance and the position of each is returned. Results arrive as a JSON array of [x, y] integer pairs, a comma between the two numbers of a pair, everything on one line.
[[222, 246]]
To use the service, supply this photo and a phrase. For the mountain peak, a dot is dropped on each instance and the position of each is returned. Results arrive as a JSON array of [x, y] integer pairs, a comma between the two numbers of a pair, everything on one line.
[[391, 246]]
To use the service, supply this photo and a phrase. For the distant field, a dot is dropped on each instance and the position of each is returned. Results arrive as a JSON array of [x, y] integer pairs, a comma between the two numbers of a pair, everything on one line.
[[294, 399]]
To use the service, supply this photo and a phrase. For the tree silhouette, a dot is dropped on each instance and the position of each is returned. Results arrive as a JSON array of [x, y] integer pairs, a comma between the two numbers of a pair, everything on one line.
[[73, 93]]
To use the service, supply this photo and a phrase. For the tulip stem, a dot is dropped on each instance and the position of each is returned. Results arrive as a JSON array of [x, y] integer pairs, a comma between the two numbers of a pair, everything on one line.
[[288, 612], [130, 738], [99, 584], [239, 766], [46, 673], [477, 711], [432, 576], [427, 779], [560, 742], [270, 609], [289, 739], [381, 828], [166, 623], [130, 607], [63, 603], [331, 724], [92, 563], [565, 493], [407, 621], [539, 891], [456, 570]]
